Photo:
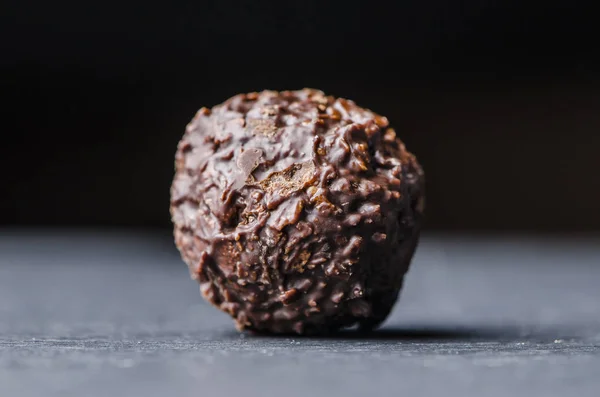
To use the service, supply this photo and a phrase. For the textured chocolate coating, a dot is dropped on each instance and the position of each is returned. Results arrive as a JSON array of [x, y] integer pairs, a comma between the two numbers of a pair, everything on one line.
[[296, 212]]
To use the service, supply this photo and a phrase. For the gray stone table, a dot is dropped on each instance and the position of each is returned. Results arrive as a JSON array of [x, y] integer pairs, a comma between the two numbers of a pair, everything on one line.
[[115, 314]]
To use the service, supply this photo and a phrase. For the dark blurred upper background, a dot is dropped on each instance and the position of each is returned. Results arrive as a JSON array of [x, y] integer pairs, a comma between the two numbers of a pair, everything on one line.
[[500, 100]]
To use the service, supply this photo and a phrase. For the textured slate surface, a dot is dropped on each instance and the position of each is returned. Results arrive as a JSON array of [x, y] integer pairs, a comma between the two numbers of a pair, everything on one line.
[[115, 314]]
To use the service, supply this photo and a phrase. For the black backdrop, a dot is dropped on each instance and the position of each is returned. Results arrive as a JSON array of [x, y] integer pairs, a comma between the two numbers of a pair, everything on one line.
[[499, 99]]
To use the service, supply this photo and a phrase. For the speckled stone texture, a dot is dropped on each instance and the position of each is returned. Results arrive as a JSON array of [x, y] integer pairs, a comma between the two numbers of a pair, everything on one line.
[[297, 212], [110, 313]]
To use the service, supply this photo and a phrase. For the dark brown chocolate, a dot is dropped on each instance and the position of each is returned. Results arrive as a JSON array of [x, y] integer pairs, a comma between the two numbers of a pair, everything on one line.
[[296, 212]]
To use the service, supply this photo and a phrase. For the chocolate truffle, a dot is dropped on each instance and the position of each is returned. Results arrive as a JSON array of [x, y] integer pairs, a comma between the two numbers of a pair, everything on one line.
[[296, 212]]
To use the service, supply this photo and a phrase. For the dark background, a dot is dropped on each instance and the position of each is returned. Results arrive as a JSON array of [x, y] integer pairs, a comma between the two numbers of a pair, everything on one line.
[[499, 99]]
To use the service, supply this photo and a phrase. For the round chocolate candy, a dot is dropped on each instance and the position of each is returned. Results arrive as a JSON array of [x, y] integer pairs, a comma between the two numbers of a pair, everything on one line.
[[296, 212]]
